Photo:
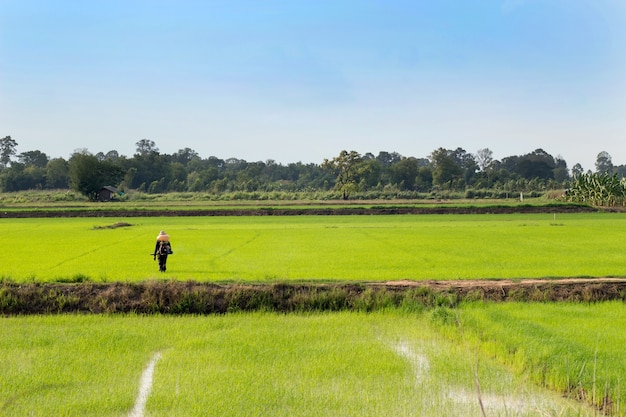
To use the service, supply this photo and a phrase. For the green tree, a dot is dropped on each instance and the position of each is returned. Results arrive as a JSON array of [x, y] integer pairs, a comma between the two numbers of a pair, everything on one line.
[[112, 156], [146, 147], [387, 159], [7, 150], [35, 158], [424, 179], [184, 156], [446, 171], [560, 172], [604, 163], [87, 174], [577, 169], [467, 162], [484, 158], [345, 167], [148, 167], [21, 177], [369, 173], [57, 173], [405, 173]]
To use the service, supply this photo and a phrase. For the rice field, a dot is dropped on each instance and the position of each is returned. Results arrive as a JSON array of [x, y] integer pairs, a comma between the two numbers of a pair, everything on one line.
[[481, 359], [576, 349], [348, 364], [317, 247]]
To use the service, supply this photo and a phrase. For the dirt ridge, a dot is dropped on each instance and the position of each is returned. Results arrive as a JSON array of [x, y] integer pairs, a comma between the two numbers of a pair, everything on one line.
[[191, 297], [272, 211]]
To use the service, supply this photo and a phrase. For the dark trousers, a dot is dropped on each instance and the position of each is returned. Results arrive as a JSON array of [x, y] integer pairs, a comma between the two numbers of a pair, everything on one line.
[[162, 262]]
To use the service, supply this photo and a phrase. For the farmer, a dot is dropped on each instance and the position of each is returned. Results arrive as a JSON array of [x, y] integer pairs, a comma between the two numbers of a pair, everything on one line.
[[162, 249]]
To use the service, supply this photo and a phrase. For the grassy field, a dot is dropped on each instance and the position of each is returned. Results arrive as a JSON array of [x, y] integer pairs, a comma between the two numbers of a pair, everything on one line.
[[352, 364], [347, 364], [37, 200], [577, 349], [250, 248]]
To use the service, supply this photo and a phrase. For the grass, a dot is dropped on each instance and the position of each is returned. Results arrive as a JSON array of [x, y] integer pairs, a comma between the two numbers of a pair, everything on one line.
[[576, 349], [69, 366], [348, 364], [268, 249], [132, 200], [383, 363]]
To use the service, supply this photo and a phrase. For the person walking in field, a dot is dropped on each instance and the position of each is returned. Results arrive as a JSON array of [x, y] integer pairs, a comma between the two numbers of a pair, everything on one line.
[[162, 249]]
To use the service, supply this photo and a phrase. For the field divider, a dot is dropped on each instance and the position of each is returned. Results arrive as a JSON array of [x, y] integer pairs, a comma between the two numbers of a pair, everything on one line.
[[192, 297]]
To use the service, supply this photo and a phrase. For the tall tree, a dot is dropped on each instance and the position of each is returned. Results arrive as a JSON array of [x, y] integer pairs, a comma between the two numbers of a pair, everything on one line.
[[146, 147], [537, 164], [467, 162], [7, 150], [57, 173], [150, 167], [405, 172], [34, 158], [185, 155], [82, 174], [445, 168], [561, 173], [345, 167], [577, 169], [484, 157], [604, 164], [87, 174], [386, 158]]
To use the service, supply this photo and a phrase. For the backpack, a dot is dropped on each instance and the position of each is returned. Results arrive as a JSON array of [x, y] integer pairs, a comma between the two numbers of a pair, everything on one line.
[[164, 249]]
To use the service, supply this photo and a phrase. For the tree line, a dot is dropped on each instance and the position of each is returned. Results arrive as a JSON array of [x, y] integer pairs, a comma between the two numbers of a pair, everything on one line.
[[347, 174]]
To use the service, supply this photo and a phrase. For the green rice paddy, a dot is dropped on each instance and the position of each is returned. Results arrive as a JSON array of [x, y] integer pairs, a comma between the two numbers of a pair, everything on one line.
[[348, 364], [270, 248], [513, 359], [577, 349]]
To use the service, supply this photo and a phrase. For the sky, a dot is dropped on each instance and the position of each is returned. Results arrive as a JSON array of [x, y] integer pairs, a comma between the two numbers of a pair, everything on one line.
[[301, 80]]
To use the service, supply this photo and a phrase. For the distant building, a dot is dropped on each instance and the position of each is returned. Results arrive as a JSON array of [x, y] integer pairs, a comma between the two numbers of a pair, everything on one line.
[[107, 193]]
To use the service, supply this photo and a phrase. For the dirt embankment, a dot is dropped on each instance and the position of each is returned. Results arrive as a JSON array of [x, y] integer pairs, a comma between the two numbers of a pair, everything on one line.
[[273, 211], [190, 297]]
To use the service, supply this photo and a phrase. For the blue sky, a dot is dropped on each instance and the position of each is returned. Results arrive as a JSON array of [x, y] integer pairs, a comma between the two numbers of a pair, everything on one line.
[[301, 80]]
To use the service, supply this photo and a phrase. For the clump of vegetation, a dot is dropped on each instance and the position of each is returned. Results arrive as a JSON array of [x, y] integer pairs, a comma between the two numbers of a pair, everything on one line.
[[114, 225], [581, 358], [598, 189]]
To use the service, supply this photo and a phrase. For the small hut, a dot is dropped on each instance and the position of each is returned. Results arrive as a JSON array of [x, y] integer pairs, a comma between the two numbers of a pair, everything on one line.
[[107, 193]]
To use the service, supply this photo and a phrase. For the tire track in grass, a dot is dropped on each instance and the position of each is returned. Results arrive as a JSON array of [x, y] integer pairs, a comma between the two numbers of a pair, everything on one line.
[[145, 386]]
